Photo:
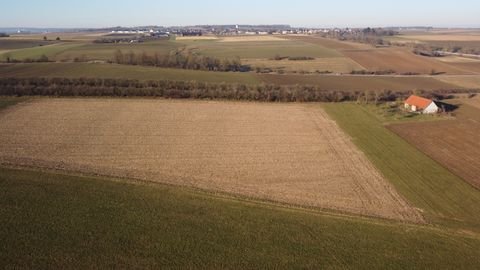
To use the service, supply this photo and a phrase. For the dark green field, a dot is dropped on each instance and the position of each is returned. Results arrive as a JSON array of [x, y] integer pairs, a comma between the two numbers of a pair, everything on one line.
[[59, 221]]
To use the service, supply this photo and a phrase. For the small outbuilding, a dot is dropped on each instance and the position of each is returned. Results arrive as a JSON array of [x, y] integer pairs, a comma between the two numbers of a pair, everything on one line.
[[421, 105]]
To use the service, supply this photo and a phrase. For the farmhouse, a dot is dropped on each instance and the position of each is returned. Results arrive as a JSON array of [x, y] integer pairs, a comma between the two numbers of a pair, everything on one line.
[[421, 105]]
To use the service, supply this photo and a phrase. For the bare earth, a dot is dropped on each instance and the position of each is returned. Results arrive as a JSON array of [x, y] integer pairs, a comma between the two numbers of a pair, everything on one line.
[[290, 153]]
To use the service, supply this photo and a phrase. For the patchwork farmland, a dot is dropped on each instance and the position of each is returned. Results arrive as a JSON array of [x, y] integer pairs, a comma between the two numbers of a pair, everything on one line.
[[107, 160], [286, 153], [453, 143]]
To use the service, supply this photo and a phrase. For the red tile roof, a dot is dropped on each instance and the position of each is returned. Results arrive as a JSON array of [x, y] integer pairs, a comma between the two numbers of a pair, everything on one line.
[[419, 102]]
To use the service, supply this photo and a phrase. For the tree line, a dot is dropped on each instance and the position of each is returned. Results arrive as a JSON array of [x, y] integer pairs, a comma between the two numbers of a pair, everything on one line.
[[180, 60], [67, 87]]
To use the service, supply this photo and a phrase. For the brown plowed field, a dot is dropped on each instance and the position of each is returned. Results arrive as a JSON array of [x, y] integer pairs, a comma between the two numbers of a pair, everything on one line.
[[453, 143], [362, 83], [400, 60], [289, 153]]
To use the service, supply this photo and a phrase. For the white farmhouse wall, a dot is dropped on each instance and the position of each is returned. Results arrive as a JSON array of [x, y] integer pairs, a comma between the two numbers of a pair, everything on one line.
[[431, 109]]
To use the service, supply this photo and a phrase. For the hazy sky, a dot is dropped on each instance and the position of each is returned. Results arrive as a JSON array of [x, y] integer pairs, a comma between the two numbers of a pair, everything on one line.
[[103, 13]]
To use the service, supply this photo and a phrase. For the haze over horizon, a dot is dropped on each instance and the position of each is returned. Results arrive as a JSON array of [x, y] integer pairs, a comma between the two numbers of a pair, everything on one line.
[[301, 13]]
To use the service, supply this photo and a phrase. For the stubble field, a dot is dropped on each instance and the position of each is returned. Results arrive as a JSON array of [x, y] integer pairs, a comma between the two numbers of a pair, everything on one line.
[[364, 83], [288, 153]]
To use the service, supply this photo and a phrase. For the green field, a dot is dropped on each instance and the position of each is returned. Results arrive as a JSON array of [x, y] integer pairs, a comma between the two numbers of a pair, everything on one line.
[[59, 221], [51, 51], [15, 44], [111, 71], [262, 49], [105, 52], [444, 198]]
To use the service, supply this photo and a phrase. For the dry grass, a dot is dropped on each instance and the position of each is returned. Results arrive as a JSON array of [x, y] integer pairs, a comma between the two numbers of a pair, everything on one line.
[[289, 153]]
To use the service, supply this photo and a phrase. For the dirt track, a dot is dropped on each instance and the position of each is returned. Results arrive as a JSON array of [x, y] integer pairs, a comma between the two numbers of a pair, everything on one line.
[[288, 153]]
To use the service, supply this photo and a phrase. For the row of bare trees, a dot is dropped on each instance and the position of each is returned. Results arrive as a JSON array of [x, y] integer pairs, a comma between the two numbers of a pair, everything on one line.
[[192, 90], [181, 60]]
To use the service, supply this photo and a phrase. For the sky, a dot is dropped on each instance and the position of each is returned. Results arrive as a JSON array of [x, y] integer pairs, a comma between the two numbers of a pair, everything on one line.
[[308, 13]]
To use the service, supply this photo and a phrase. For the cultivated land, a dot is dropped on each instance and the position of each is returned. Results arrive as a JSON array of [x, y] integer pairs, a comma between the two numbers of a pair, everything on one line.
[[352, 83], [400, 60], [445, 199], [444, 37], [111, 71], [331, 64], [239, 185], [260, 49], [292, 154], [474, 101], [105, 52], [36, 52], [12, 44], [331, 43], [469, 82], [57, 221], [454, 143]]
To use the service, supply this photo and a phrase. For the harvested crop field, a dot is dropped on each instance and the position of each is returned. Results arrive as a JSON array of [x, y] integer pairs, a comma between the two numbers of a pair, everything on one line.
[[470, 67], [330, 43], [290, 153], [332, 64], [250, 38], [454, 143], [470, 82], [399, 60], [444, 37], [475, 102], [361, 83]]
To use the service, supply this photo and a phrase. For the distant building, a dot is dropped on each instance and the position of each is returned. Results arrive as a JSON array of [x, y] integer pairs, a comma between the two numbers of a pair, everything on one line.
[[421, 105]]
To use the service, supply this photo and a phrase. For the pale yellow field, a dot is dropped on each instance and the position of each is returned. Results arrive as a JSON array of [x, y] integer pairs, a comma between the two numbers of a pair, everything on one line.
[[196, 38], [333, 64], [289, 153], [253, 38], [458, 59], [452, 37]]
